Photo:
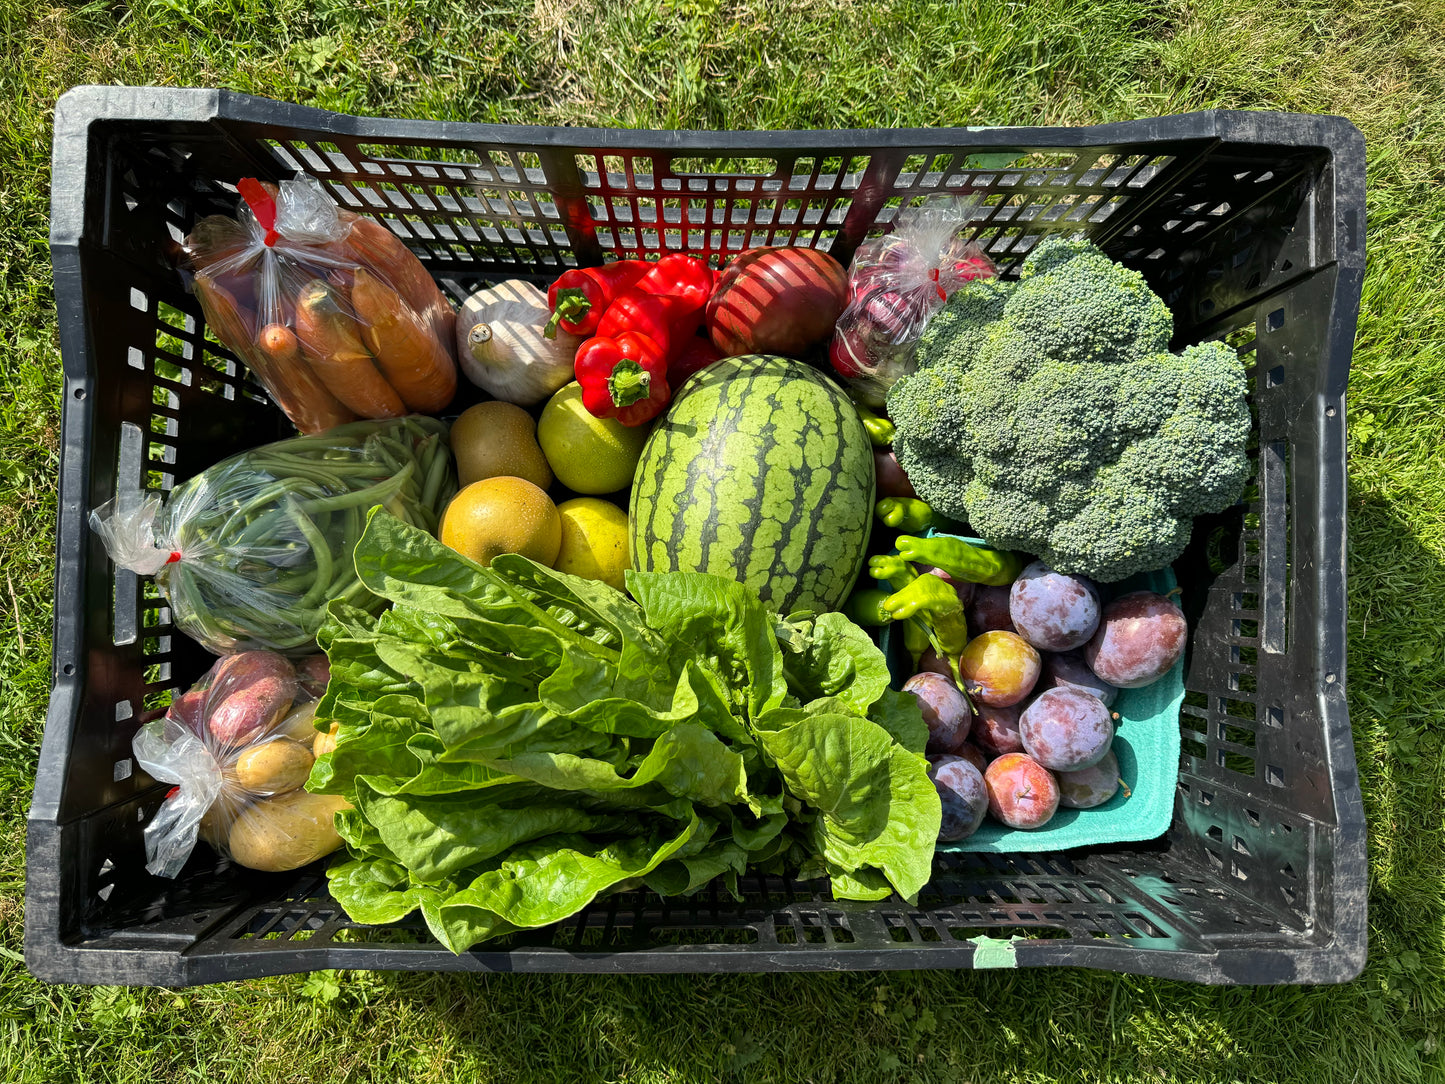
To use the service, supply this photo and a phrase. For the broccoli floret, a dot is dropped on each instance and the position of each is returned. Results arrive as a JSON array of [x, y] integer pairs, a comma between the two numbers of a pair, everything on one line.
[[1050, 415]]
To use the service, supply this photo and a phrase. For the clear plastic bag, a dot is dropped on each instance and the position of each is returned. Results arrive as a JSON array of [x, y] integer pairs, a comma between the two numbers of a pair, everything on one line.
[[249, 551], [239, 746], [332, 312], [895, 284]]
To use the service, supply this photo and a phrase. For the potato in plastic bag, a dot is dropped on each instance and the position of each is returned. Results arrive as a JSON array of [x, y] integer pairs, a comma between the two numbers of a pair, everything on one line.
[[237, 746]]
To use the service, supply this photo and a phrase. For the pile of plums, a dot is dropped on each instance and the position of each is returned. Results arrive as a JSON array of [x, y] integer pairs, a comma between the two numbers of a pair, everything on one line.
[[1043, 668]]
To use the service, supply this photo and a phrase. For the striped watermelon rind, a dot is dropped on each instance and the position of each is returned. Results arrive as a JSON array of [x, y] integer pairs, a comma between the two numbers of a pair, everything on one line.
[[761, 470]]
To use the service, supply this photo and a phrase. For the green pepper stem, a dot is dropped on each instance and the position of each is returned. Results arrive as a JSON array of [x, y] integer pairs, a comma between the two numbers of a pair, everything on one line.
[[628, 383], [572, 305]]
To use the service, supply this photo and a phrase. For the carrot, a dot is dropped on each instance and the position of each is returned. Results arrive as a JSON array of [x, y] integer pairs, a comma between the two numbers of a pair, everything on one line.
[[215, 239], [341, 279], [298, 389], [383, 252], [331, 343], [406, 352], [230, 321]]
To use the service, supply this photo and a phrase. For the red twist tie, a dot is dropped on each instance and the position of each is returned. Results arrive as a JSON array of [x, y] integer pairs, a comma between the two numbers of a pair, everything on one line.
[[933, 276], [172, 793], [174, 557], [262, 206]]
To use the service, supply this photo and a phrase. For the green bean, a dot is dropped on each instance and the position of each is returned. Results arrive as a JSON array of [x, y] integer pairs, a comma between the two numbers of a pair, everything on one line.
[[319, 549], [331, 478], [346, 570], [267, 495], [346, 463], [354, 592], [370, 495], [257, 530], [291, 532], [436, 475], [297, 583]]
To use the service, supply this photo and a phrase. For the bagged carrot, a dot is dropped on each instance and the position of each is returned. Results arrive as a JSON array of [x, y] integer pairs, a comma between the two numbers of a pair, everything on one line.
[[278, 283]]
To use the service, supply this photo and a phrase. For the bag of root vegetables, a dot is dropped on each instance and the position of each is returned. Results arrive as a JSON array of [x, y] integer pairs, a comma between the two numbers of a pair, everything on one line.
[[239, 746], [332, 312], [896, 283]]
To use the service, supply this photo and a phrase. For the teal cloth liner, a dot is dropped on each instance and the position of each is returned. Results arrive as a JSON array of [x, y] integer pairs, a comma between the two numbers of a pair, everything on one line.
[[1146, 745]]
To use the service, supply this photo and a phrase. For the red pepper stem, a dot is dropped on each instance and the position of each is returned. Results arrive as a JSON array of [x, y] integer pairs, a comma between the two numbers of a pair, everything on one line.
[[572, 305], [628, 383]]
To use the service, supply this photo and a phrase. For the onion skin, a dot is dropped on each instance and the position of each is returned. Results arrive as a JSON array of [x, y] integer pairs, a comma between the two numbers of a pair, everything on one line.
[[776, 301]]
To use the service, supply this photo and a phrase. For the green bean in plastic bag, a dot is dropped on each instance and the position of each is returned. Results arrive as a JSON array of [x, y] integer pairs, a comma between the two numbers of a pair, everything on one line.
[[249, 552]]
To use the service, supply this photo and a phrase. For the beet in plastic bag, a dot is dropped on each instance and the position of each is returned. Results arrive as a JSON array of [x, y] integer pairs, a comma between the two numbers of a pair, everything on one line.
[[239, 746], [895, 284]]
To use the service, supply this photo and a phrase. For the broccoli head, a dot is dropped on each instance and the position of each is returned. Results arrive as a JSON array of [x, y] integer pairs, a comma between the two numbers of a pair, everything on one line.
[[1049, 414]]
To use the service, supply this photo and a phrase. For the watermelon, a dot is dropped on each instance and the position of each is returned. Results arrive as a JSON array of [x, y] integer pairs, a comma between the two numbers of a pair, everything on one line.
[[761, 470]]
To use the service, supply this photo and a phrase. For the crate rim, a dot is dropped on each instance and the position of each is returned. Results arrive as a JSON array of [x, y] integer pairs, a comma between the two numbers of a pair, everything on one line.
[[1338, 960]]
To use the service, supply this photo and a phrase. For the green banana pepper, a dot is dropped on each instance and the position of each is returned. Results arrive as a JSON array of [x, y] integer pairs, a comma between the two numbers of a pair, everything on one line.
[[880, 429], [915, 640], [962, 560], [936, 603], [905, 513], [893, 570], [867, 608]]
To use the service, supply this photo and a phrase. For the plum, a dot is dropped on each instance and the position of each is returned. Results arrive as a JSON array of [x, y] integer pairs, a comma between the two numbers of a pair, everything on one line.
[[996, 730], [1140, 636], [974, 755], [945, 710], [964, 797], [1051, 610], [1069, 670], [892, 482], [989, 611], [1066, 729], [1089, 787], [1021, 792], [931, 662], [999, 668]]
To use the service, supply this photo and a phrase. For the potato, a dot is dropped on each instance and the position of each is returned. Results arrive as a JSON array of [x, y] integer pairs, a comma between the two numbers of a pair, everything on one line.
[[326, 742], [300, 725], [287, 832], [273, 766], [215, 827], [251, 692]]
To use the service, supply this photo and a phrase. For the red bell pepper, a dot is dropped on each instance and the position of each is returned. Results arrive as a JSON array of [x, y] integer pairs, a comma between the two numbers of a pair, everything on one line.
[[623, 378], [667, 321], [681, 276], [581, 295], [697, 354]]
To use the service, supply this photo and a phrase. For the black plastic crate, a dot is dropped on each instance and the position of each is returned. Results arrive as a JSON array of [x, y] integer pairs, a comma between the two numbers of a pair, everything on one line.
[[1251, 225]]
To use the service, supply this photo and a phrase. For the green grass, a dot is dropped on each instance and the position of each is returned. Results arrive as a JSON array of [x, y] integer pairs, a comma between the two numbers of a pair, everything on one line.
[[821, 63]]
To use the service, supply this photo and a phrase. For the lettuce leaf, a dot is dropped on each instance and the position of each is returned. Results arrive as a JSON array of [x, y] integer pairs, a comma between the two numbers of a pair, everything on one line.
[[877, 807], [516, 741]]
